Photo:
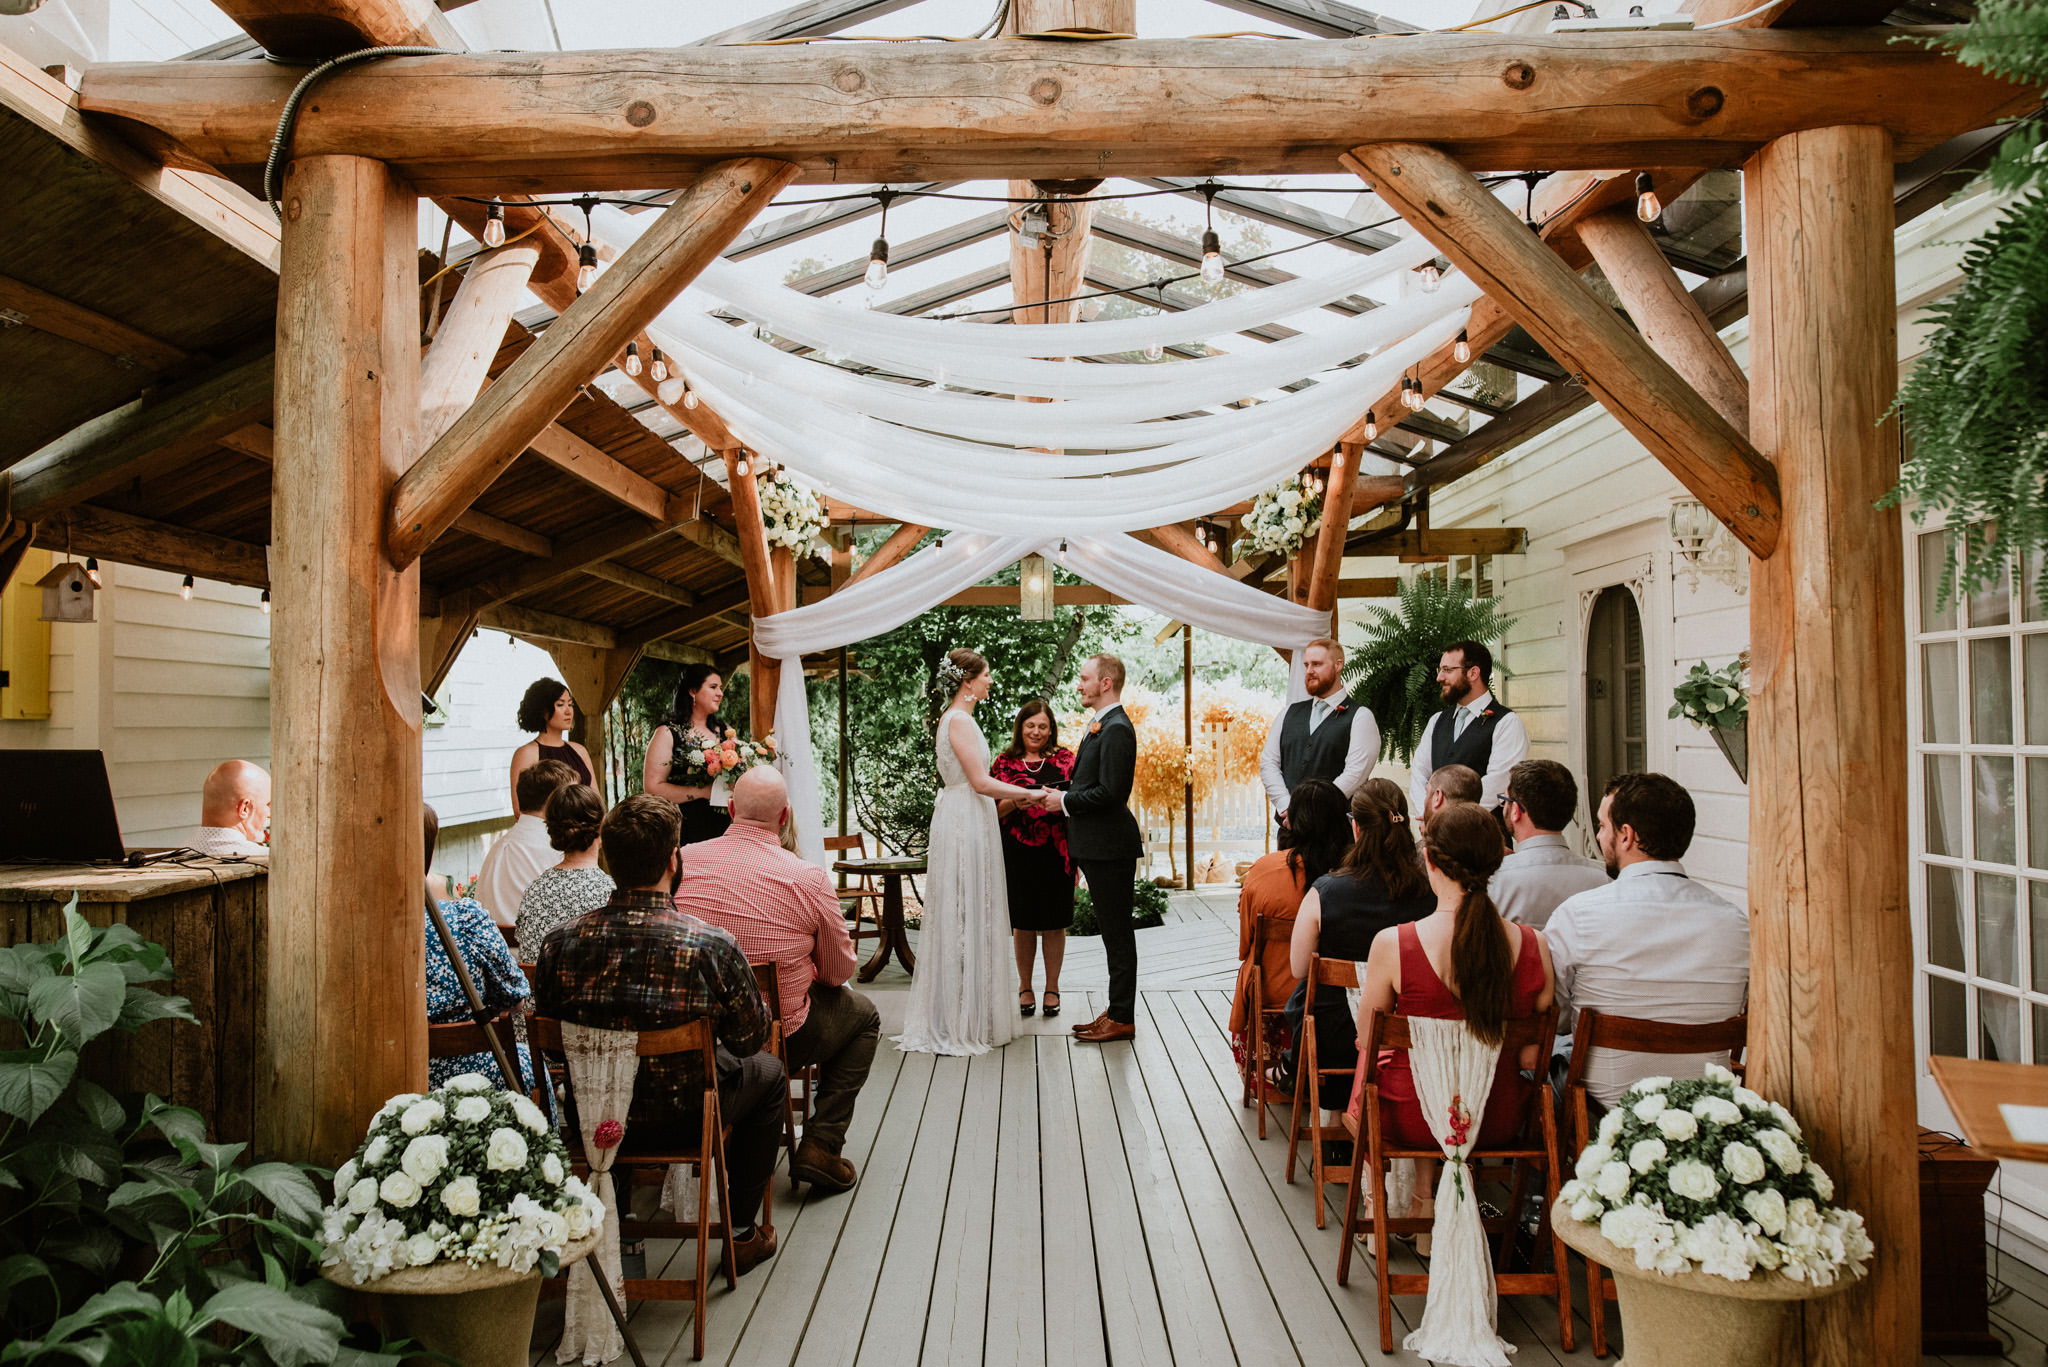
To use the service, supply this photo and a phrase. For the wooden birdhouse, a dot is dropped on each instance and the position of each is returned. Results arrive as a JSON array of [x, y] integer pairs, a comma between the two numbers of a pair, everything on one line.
[[67, 593]]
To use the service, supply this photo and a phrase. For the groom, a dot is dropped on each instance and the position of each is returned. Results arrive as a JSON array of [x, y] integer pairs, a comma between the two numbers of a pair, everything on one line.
[[1103, 836]]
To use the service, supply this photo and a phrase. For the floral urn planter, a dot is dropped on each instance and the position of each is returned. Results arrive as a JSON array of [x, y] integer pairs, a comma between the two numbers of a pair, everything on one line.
[[1693, 1319], [479, 1316]]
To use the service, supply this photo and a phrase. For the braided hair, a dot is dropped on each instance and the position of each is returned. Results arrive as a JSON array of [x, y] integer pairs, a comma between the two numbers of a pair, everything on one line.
[[1463, 842]]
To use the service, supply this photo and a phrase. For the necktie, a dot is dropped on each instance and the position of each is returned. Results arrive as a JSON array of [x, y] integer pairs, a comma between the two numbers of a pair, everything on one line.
[[1458, 722], [1317, 710]]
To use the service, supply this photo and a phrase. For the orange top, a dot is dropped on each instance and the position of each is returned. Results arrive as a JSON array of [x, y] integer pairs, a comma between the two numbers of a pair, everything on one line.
[[1273, 890]]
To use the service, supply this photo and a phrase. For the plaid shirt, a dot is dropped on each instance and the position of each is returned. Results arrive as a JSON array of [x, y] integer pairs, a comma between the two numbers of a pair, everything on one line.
[[636, 963]]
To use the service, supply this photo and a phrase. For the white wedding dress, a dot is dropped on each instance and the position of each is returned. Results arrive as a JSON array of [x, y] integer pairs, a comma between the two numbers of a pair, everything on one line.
[[959, 995]]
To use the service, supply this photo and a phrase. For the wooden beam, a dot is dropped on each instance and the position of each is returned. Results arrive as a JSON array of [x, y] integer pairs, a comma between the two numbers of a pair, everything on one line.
[[45, 312], [808, 20], [682, 619], [761, 596], [314, 29], [442, 638], [900, 543], [130, 540], [504, 533], [573, 455], [676, 653], [626, 577], [1005, 596], [1176, 539], [1441, 541], [345, 1019], [1543, 294], [458, 363], [1337, 499], [1536, 414], [1664, 311], [255, 441], [546, 626], [709, 535], [540, 384], [161, 429], [1323, 18], [571, 558], [601, 121], [1831, 923]]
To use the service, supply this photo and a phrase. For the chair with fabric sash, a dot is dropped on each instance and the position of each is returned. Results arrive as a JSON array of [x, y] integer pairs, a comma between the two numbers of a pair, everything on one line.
[[1259, 1055], [1326, 975]]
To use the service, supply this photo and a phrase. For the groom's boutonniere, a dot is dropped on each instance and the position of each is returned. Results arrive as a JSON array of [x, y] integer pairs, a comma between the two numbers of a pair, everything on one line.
[[1094, 728]]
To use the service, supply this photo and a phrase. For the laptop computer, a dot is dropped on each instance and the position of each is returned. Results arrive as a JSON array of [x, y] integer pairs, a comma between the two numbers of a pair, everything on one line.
[[57, 807]]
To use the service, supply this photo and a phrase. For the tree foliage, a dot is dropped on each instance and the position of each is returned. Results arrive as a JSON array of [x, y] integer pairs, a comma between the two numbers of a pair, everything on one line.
[[1394, 671]]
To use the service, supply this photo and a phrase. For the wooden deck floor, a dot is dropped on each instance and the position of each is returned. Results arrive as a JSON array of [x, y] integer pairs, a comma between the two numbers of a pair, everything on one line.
[[1053, 1203]]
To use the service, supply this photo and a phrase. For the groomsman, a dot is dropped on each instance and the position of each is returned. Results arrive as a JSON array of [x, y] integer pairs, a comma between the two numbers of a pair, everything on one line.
[[1474, 729], [1326, 735], [1104, 838]]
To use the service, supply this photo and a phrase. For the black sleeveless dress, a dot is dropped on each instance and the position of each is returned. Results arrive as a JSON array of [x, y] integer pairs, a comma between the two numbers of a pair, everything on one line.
[[1355, 909], [701, 820], [566, 754]]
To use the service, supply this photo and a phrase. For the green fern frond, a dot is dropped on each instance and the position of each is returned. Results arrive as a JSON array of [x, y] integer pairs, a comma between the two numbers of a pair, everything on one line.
[[1394, 671]]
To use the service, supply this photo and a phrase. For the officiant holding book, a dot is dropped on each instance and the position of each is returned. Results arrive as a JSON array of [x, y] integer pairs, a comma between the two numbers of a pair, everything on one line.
[[1326, 735]]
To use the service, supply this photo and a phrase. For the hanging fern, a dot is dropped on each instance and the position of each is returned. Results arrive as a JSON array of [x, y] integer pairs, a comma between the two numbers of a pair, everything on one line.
[[1976, 405], [1394, 672]]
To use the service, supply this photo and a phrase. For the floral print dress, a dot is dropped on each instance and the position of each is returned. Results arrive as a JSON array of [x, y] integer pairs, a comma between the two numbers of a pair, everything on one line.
[[492, 968]]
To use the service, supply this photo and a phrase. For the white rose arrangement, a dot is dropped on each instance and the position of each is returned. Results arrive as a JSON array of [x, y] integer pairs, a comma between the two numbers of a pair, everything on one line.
[[1704, 1175], [1280, 520], [466, 1173], [794, 516]]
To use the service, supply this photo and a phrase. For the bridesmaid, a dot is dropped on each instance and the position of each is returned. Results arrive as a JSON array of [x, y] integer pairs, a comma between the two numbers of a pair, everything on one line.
[[1036, 865], [668, 772], [551, 714]]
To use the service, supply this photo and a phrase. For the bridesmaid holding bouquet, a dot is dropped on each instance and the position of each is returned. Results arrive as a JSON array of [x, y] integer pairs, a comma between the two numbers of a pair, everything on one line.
[[1036, 864]]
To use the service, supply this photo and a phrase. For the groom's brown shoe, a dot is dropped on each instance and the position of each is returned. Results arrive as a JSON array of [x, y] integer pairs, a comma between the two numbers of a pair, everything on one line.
[[1083, 1027], [1106, 1031]]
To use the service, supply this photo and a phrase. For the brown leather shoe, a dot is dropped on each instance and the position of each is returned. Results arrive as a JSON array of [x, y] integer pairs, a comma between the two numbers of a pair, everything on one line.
[[823, 1169], [1105, 1031], [749, 1253], [1083, 1027]]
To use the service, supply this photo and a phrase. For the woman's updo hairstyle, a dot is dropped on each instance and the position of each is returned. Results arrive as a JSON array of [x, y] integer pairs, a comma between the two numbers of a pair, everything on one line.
[[1463, 841], [573, 816], [958, 667], [683, 708]]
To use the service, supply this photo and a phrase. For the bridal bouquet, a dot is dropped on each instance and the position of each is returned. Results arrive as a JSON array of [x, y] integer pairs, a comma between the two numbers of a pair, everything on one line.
[[1280, 520], [467, 1173], [702, 758], [1704, 1175], [794, 516]]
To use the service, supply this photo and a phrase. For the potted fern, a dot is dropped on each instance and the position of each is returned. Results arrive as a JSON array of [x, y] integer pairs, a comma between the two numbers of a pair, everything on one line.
[[1394, 671]]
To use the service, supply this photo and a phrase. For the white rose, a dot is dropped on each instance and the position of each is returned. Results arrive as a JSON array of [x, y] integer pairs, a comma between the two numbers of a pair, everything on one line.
[[1767, 1208], [1612, 1181], [1645, 1085], [1717, 1110], [379, 1147], [420, 1116], [1784, 1119], [1677, 1126], [344, 1178], [551, 1168], [461, 1197], [1744, 1163], [1823, 1184], [1586, 1208], [471, 1109], [394, 1106], [469, 1082], [1782, 1147], [1610, 1127], [1716, 1073], [577, 1218], [1750, 1101], [1694, 1180], [425, 1157], [362, 1197], [421, 1249], [529, 1115], [1646, 1154], [399, 1189], [1650, 1107], [505, 1150], [1596, 1157]]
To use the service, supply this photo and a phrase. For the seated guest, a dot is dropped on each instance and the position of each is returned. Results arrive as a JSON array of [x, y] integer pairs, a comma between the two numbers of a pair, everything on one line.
[[1273, 887], [1652, 944], [637, 963], [782, 909], [1451, 783], [1543, 870], [576, 885], [517, 857], [492, 971], [1461, 962], [234, 810], [550, 714], [1379, 884]]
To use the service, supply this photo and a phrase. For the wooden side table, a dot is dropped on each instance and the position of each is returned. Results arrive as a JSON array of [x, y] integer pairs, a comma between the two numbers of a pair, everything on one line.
[[1955, 1309], [895, 941]]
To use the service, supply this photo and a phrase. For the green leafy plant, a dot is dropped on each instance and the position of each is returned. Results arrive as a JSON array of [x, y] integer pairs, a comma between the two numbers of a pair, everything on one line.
[[125, 1237], [1976, 404], [1394, 671], [1148, 909], [1714, 697]]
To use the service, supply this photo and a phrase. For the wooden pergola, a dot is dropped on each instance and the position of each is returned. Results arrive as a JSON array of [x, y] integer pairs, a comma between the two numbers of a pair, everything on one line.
[[394, 498]]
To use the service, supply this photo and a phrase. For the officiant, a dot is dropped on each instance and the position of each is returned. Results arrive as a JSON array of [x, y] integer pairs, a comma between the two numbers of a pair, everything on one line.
[[1327, 735]]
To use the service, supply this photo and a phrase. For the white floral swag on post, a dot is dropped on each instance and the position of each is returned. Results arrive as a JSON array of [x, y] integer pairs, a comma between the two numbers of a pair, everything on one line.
[[1280, 520], [793, 516]]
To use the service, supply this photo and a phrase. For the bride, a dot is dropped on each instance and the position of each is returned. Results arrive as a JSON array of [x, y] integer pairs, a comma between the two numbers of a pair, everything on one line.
[[959, 1001]]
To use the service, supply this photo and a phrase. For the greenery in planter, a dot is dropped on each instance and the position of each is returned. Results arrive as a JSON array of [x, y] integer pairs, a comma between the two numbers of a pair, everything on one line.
[[1714, 697], [1976, 405], [1394, 671], [125, 1237], [1148, 909]]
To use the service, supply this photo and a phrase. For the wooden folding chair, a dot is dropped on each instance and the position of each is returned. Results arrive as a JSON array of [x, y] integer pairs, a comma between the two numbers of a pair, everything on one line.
[[1328, 975], [1373, 1150], [458, 1038], [769, 979], [1596, 1030], [1266, 930], [642, 1150], [862, 892]]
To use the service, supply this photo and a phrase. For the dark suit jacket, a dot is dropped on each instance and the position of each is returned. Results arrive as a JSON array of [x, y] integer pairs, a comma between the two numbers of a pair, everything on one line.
[[1099, 820]]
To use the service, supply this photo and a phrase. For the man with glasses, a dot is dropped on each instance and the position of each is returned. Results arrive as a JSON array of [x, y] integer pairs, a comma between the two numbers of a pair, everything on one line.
[[1474, 729]]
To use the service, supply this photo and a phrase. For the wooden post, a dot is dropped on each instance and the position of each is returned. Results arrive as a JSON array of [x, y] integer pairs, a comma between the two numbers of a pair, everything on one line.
[[1831, 952], [762, 600], [345, 1021], [1328, 564]]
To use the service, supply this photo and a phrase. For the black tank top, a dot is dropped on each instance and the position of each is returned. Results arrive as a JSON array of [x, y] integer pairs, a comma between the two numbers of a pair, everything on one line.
[[565, 754]]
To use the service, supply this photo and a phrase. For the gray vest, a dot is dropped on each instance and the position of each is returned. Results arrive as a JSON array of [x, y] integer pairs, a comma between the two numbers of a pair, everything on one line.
[[1321, 753]]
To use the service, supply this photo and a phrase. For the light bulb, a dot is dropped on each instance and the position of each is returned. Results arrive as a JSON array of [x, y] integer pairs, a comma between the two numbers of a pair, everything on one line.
[[1212, 258], [1037, 583], [690, 399], [1461, 350], [1431, 277], [265, 604], [1372, 425], [494, 224], [744, 468], [185, 590], [633, 359], [1154, 352], [1063, 545], [673, 390], [92, 572], [878, 264], [586, 267], [1648, 207], [657, 366], [1337, 459]]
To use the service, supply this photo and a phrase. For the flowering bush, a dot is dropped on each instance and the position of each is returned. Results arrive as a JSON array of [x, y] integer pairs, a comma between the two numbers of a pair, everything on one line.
[[703, 758], [794, 516], [466, 1173], [1280, 520], [1704, 1175], [1714, 697]]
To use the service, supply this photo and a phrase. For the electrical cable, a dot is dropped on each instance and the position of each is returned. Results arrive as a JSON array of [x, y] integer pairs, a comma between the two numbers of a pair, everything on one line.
[[280, 142]]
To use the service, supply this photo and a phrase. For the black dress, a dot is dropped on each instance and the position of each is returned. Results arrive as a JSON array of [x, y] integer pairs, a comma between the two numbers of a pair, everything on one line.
[[1355, 909], [1037, 870], [565, 754], [701, 820]]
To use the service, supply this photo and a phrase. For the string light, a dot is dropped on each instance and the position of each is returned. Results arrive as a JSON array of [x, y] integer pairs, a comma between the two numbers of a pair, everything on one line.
[[657, 366], [672, 390], [633, 359], [1372, 425], [185, 590], [690, 399], [878, 255], [1154, 352], [92, 572], [1648, 207], [265, 604], [586, 267], [1461, 350], [1431, 277], [1212, 258], [744, 468], [1063, 545], [1337, 458], [494, 224]]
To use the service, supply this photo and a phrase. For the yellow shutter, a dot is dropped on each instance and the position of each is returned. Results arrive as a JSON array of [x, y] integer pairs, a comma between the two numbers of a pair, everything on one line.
[[25, 642]]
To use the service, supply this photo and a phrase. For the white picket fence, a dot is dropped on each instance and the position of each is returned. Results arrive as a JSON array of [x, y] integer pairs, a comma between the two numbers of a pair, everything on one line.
[[1234, 821]]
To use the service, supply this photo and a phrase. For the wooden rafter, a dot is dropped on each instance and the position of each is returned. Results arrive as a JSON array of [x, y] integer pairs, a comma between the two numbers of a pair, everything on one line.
[[84, 529], [899, 544], [808, 20], [458, 362], [25, 304], [322, 28]]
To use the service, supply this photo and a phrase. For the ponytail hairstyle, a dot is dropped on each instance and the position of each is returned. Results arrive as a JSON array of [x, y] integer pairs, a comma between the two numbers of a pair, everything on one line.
[[1463, 842], [1386, 842]]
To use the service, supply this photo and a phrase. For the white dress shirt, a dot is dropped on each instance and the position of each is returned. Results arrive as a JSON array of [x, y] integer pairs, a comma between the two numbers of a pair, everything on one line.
[[515, 860], [1654, 945], [1542, 872], [1358, 759], [226, 842], [1510, 747]]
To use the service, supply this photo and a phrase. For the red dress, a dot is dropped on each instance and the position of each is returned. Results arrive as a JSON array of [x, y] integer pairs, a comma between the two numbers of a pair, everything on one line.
[[1423, 994]]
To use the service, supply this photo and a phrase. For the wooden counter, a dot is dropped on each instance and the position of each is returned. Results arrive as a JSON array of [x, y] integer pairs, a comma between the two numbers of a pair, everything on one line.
[[211, 916]]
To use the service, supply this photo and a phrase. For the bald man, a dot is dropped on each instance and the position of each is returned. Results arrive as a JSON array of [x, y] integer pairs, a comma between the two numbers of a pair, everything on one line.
[[234, 811], [782, 909]]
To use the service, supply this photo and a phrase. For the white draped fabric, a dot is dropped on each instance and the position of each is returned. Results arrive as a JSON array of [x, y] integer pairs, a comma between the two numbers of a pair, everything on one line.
[[1460, 1321], [602, 1067]]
